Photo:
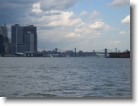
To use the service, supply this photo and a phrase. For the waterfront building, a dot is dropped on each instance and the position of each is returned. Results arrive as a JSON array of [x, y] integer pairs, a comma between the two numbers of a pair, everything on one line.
[[14, 38], [17, 39], [1, 44], [8, 48], [3, 38], [30, 38], [24, 39]]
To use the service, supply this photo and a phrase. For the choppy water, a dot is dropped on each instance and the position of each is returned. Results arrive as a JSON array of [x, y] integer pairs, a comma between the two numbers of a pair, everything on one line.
[[64, 77]]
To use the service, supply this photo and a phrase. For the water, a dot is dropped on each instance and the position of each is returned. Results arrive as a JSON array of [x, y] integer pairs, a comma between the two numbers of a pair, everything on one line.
[[64, 77]]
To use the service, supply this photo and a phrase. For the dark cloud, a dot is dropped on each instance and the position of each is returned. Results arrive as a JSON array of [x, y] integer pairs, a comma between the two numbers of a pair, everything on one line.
[[14, 11], [11, 12], [18, 1]]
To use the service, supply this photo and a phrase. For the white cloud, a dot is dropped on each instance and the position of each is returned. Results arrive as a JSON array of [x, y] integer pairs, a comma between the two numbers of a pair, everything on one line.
[[73, 35], [99, 25], [95, 14], [36, 8], [126, 20], [84, 13], [115, 42], [119, 3], [57, 19], [124, 32], [65, 19]]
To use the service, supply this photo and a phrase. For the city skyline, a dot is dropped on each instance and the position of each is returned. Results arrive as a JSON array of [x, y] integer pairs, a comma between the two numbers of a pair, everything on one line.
[[86, 25]]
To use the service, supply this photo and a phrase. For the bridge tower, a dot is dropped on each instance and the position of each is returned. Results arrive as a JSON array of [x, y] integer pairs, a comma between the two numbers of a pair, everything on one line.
[[75, 52], [106, 53]]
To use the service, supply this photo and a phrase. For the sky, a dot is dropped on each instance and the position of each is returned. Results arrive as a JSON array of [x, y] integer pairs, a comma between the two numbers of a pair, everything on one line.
[[67, 24]]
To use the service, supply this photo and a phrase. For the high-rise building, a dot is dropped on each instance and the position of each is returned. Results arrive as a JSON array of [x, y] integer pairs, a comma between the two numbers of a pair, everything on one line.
[[30, 34], [4, 30], [30, 41], [14, 38], [20, 45], [24, 39], [3, 38], [1, 43]]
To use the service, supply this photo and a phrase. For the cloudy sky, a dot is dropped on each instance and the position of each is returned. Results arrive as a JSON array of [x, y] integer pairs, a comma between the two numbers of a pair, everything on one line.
[[65, 24]]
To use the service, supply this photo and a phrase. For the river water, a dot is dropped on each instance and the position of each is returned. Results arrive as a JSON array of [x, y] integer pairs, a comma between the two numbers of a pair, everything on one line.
[[65, 77]]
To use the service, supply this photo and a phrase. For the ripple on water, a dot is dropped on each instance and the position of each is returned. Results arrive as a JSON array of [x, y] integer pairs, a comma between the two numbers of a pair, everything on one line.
[[65, 77], [39, 95]]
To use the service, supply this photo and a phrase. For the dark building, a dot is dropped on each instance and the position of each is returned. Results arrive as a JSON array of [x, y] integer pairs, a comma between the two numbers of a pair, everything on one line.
[[3, 39], [24, 39], [30, 38], [1, 45], [119, 55], [14, 38]]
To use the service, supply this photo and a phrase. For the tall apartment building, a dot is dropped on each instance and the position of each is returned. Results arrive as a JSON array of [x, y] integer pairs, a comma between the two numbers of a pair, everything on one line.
[[30, 35], [24, 39], [14, 29]]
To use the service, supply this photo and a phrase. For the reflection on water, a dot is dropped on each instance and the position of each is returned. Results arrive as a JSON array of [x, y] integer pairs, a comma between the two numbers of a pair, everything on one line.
[[64, 77]]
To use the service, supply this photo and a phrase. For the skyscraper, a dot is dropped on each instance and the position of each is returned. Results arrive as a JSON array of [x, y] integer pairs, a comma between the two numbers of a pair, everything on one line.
[[20, 40], [1, 43], [24, 39], [14, 38], [30, 39], [3, 38]]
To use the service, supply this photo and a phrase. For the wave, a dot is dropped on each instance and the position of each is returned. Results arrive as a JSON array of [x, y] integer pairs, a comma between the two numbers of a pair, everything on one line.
[[39, 95]]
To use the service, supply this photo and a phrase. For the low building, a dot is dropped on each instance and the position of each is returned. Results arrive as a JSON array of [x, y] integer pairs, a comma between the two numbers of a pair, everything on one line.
[[119, 55]]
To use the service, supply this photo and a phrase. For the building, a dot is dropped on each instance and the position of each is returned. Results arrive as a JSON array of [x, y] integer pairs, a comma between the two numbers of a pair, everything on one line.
[[24, 39], [1, 44], [119, 55], [30, 38], [3, 39], [4, 30], [14, 38], [17, 39]]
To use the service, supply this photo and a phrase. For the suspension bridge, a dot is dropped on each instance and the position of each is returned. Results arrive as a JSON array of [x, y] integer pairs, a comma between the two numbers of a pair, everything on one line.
[[77, 52]]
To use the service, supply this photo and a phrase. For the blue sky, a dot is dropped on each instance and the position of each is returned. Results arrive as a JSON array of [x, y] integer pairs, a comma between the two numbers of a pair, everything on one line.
[[65, 24]]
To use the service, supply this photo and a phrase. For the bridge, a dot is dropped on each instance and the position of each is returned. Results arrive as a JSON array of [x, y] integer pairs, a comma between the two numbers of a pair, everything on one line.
[[106, 51], [74, 52]]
